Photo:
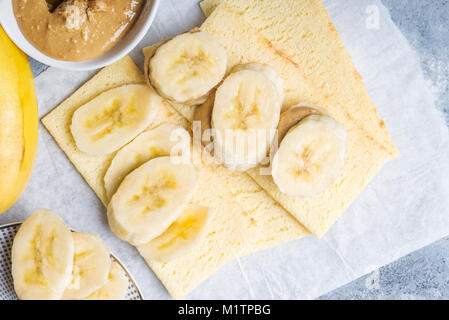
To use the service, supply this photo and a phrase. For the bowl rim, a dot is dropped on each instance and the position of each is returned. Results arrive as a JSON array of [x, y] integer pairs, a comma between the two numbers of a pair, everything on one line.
[[10, 27]]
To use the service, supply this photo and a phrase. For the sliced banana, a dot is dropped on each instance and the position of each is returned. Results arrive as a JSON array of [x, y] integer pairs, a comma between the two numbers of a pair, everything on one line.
[[310, 157], [245, 115], [165, 140], [185, 233], [270, 73], [42, 257], [115, 288], [186, 68], [91, 266], [150, 199], [114, 118]]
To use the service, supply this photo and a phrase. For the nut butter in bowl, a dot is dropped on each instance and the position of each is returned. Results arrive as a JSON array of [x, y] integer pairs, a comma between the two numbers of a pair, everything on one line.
[[77, 34], [75, 30]]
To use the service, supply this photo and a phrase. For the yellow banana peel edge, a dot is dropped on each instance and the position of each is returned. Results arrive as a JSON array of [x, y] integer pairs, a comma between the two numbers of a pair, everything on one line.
[[18, 122]]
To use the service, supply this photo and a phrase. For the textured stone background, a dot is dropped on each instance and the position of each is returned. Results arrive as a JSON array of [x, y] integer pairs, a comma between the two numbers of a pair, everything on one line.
[[423, 274]]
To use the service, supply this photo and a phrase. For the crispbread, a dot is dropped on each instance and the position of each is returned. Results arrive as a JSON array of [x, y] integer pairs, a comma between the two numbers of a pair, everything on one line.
[[250, 220], [58, 121], [365, 155], [306, 35], [246, 219], [208, 6]]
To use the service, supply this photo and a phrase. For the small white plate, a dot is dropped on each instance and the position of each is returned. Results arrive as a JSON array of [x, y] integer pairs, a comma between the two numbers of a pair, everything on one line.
[[7, 234], [123, 47]]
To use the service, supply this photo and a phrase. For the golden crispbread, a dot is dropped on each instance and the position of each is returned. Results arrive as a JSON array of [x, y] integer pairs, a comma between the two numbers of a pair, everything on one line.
[[303, 32], [366, 154], [246, 219]]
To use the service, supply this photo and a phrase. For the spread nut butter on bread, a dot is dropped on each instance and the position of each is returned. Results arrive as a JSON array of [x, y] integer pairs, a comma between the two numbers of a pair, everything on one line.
[[314, 90], [365, 155], [245, 218]]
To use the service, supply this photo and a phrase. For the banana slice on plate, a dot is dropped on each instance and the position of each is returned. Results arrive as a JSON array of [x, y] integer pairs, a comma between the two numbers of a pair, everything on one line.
[[186, 68], [150, 199], [165, 140], [245, 116], [310, 157], [91, 266], [185, 233], [114, 118], [115, 288], [42, 257]]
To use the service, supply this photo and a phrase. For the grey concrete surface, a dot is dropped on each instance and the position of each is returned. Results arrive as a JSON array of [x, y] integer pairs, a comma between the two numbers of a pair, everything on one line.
[[423, 274]]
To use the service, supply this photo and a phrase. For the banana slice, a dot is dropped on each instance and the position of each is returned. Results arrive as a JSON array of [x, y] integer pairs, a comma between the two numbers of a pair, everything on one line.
[[185, 233], [42, 257], [91, 266], [115, 288], [310, 156], [268, 72], [150, 199], [186, 68], [114, 118], [245, 115], [165, 140]]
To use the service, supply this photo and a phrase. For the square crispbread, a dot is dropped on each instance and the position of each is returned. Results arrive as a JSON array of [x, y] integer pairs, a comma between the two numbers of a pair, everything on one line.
[[208, 6], [59, 120], [303, 32], [366, 155], [246, 219]]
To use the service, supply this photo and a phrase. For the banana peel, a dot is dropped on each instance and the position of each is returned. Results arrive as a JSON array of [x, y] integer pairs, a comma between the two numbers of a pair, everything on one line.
[[18, 122]]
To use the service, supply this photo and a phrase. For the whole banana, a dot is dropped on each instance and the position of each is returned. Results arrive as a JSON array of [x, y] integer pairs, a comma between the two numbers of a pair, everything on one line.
[[18, 122]]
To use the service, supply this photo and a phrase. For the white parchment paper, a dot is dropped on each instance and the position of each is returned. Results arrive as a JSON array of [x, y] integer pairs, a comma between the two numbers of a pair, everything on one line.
[[403, 209]]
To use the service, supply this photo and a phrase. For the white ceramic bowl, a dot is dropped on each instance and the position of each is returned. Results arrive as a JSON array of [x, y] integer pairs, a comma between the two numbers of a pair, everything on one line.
[[123, 47]]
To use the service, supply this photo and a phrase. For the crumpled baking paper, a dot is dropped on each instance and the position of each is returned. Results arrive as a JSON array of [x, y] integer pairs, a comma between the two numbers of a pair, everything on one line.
[[403, 209]]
